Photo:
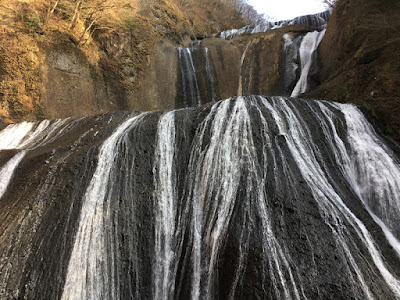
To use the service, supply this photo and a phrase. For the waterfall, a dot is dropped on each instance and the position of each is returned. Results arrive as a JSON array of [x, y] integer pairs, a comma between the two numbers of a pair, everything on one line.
[[317, 20], [190, 86], [38, 203], [329, 201], [7, 171], [301, 64], [92, 270], [249, 197], [210, 74], [25, 135], [307, 56], [166, 209], [230, 156], [292, 72], [198, 83], [291, 63], [368, 164], [240, 85]]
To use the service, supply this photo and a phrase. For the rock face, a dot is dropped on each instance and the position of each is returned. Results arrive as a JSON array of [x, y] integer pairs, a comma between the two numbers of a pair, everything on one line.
[[51, 67], [247, 198], [132, 64], [206, 71], [246, 65], [317, 20], [158, 86], [72, 86], [136, 66], [251, 197], [360, 59]]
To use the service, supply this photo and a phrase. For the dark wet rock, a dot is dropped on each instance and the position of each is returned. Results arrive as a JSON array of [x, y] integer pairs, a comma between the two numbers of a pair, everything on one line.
[[249, 214]]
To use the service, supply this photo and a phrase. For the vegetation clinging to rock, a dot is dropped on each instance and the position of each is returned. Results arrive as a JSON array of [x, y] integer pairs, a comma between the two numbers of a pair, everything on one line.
[[117, 37]]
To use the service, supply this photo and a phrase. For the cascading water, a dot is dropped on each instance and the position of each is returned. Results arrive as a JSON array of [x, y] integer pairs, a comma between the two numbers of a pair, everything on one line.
[[298, 70], [308, 62], [292, 72], [166, 207], [251, 197], [24, 136], [269, 198], [93, 267], [7, 171], [317, 20], [291, 65], [210, 74], [197, 76], [190, 85]]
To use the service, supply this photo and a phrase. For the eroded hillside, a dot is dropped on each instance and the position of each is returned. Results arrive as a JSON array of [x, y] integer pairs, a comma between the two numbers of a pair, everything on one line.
[[80, 57]]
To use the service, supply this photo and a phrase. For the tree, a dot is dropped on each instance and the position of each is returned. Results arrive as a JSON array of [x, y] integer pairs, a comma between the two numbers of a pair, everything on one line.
[[250, 15], [91, 11], [330, 3]]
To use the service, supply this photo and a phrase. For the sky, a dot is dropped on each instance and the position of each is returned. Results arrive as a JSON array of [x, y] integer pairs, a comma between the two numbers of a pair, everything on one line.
[[287, 9]]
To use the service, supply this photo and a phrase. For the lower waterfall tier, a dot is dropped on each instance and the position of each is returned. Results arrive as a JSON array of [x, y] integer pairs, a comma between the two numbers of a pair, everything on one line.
[[263, 198]]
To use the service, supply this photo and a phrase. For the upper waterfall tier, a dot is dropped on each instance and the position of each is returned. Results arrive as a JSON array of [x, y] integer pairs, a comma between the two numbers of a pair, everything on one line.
[[278, 63], [318, 20], [251, 197], [197, 84]]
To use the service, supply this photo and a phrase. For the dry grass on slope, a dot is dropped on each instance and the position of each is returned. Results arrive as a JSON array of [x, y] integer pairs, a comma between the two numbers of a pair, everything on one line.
[[116, 37], [108, 32]]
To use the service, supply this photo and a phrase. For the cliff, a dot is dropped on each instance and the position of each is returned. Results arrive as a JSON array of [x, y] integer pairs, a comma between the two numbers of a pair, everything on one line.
[[360, 61], [252, 197], [250, 64], [76, 58], [54, 64], [51, 67], [248, 198]]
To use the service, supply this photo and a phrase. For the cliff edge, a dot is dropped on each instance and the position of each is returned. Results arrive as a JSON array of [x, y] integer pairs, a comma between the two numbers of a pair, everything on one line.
[[360, 60], [75, 58]]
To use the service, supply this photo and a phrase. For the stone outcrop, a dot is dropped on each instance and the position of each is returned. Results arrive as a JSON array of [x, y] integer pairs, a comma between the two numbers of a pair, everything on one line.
[[249, 198], [74, 82], [360, 60], [250, 64], [43, 74], [48, 71]]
